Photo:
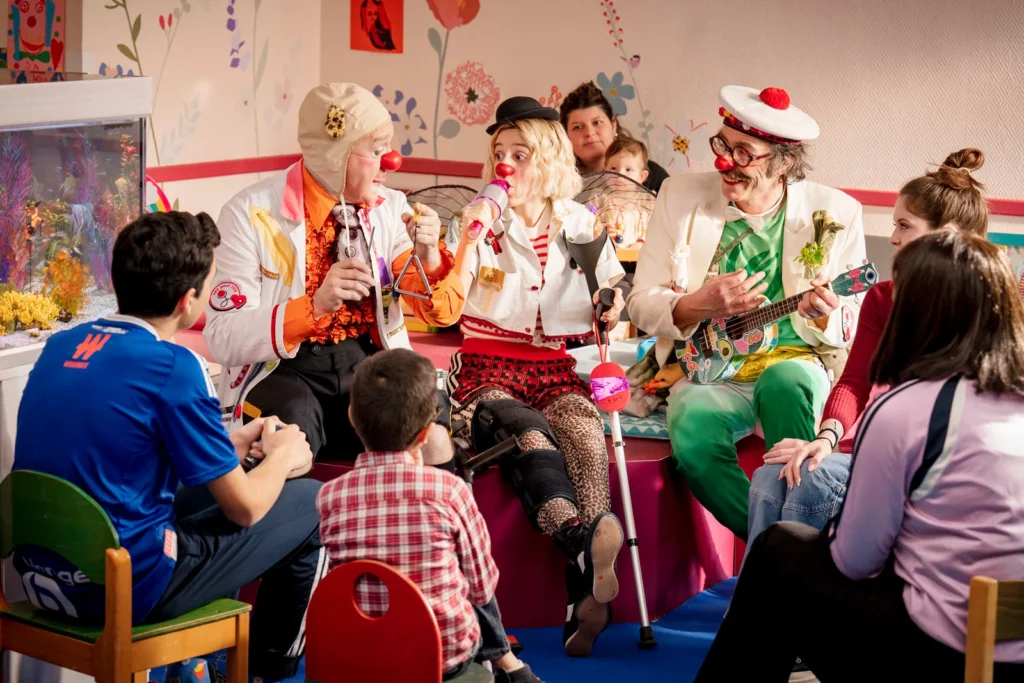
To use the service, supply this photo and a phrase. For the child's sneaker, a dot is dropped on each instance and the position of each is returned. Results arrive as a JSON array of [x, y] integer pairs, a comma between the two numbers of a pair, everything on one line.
[[520, 675]]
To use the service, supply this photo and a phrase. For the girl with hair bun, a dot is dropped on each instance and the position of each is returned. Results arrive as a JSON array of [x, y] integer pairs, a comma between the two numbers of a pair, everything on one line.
[[806, 481]]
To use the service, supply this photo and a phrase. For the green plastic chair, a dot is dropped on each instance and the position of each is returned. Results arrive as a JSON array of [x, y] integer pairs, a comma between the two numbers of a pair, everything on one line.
[[42, 510]]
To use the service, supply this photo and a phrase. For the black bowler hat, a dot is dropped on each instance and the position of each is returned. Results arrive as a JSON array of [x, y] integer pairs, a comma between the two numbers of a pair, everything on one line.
[[519, 108]]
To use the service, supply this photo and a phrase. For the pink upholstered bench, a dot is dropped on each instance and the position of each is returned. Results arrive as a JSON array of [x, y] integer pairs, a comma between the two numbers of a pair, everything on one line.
[[683, 549]]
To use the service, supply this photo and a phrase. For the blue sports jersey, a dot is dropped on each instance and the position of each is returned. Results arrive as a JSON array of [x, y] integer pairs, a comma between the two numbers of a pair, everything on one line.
[[126, 417]]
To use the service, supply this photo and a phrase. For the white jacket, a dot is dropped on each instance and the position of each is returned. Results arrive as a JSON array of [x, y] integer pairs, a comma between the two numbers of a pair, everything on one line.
[[685, 230], [565, 303], [262, 258]]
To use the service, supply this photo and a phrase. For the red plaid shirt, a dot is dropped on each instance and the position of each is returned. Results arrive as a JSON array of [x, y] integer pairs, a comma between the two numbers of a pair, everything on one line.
[[422, 521]]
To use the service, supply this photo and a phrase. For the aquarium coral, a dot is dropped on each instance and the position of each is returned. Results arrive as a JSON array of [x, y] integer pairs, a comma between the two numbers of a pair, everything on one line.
[[111, 212], [64, 282], [25, 310], [15, 189]]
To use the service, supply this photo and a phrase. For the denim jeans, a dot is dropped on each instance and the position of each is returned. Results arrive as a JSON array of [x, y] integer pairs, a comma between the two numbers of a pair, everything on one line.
[[493, 641], [815, 501]]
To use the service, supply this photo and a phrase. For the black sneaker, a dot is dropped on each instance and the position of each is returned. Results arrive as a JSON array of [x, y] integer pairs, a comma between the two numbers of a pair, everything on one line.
[[594, 548], [521, 675], [586, 618], [600, 554]]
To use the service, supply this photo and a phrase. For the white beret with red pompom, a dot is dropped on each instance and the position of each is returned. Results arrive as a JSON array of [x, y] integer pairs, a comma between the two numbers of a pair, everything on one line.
[[766, 114]]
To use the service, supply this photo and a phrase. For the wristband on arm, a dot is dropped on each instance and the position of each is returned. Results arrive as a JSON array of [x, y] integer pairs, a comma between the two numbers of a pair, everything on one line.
[[834, 444]]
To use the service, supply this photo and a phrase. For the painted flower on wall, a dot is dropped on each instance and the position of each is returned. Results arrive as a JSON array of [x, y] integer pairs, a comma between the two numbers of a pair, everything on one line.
[[615, 91], [240, 55], [454, 13], [472, 94], [553, 99], [117, 71], [408, 124], [680, 144]]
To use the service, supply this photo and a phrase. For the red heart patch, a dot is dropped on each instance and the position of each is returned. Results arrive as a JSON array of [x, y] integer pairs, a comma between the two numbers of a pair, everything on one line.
[[238, 300], [56, 51]]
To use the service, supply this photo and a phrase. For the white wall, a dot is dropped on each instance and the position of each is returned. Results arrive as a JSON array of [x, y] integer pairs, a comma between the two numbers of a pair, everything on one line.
[[894, 85]]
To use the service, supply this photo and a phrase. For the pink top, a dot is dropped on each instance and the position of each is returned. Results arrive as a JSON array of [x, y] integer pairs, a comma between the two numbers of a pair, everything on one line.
[[937, 482]]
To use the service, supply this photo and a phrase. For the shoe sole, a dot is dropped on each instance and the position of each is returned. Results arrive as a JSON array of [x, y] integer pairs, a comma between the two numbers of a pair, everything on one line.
[[591, 620], [604, 550]]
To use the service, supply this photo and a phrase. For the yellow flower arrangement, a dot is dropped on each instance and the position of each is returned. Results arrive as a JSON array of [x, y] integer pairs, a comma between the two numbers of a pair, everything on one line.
[[21, 310]]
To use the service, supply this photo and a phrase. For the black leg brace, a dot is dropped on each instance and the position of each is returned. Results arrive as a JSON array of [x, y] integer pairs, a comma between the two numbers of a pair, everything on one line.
[[538, 475]]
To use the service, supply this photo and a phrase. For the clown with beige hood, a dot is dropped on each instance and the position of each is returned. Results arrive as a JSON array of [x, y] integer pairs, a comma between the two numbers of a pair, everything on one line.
[[310, 270]]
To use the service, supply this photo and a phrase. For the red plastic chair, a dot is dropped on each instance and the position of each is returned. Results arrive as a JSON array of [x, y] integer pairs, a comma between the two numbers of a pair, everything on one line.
[[344, 645]]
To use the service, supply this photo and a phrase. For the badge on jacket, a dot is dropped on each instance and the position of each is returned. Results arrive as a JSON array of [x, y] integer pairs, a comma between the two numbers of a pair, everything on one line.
[[227, 296], [492, 280]]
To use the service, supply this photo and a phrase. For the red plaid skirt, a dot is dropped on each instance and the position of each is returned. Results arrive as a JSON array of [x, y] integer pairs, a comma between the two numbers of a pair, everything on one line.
[[535, 381]]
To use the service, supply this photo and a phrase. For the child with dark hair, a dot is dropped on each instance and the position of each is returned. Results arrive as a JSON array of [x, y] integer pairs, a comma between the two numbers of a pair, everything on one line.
[[628, 157], [143, 419], [420, 520]]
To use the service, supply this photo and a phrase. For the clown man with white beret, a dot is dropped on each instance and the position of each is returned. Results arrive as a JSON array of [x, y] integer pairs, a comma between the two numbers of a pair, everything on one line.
[[723, 243]]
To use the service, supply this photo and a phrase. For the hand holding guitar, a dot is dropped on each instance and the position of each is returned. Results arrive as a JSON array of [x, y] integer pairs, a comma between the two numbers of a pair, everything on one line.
[[820, 301], [721, 297]]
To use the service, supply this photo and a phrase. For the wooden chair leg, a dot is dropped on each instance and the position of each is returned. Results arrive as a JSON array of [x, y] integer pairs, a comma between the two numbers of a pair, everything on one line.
[[238, 656]]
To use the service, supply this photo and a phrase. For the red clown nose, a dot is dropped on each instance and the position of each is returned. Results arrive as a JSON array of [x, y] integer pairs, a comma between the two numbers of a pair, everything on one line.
[[724, 164], [392, 161], [504, 170]]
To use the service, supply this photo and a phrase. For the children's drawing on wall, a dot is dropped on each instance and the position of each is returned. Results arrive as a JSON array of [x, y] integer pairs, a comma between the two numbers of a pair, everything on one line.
[[615, 83], [409, 125], [376, 25], [451, 14], [682, 143], [35, 35]]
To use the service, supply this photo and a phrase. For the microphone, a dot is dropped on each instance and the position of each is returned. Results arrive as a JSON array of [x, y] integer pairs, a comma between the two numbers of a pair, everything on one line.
[[495, 192]]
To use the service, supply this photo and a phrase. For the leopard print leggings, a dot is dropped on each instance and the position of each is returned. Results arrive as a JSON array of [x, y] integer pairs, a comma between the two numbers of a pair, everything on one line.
[[577, 425]]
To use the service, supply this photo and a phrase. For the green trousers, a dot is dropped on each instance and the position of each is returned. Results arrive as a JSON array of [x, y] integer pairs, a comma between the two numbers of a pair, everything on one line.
[[706, 420]]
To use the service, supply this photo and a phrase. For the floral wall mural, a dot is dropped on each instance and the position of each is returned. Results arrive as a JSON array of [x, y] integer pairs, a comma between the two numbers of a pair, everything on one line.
[[409, 125], [225, 76], [472, 94], [614, 87]]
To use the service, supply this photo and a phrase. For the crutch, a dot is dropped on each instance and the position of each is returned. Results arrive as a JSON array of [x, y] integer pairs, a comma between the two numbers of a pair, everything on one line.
[[611, 392]]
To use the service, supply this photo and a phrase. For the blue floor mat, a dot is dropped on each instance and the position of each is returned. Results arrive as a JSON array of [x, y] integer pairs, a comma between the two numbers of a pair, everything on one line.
[[684, 636]]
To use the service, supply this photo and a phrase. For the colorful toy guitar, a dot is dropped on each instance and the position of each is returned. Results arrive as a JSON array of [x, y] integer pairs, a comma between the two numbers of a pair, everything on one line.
[[719, 346]]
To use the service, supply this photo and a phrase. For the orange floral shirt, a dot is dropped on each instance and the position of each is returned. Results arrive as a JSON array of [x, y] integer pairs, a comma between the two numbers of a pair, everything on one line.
[[354, 318]]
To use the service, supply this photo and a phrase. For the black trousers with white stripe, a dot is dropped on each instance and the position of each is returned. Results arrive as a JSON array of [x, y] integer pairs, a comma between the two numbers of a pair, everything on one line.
[[792, 601], [216, 558]]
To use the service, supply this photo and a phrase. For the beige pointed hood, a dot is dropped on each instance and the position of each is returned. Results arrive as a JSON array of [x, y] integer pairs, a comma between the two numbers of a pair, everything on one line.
[[333, 118]]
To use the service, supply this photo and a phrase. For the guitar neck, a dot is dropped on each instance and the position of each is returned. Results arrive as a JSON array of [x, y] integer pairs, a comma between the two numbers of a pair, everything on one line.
[[766, 315]]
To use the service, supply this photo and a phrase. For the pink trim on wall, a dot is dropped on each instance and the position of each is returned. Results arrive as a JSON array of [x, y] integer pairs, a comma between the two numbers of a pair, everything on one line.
[[465, 169]]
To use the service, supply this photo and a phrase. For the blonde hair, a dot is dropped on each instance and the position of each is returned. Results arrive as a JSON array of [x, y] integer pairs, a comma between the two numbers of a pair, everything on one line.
[[550, 154]]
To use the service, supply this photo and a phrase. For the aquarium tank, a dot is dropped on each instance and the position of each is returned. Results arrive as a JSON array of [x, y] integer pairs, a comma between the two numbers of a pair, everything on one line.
[[72, 173]]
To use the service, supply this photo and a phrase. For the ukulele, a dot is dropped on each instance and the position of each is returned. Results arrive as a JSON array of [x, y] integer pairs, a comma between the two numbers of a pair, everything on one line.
[[720, 345]]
